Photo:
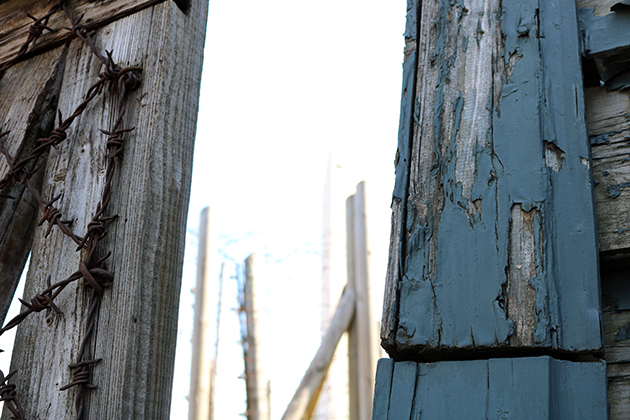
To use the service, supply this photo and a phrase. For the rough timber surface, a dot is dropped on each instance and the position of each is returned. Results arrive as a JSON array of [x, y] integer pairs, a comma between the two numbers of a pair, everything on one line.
[[608, 116], [616, 322], [497, 246], [27, 110], [14, 21], [137, 324], [539, 388]]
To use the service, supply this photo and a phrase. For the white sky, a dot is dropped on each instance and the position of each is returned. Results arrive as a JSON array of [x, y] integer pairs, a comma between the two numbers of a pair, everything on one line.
[[284, 83]]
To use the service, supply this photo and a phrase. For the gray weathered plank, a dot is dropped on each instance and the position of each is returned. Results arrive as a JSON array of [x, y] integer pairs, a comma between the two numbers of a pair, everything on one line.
[[137, 324], [609, 127], [616, 324], [499, 130], [539, 388], [14, 21], [27, 110]]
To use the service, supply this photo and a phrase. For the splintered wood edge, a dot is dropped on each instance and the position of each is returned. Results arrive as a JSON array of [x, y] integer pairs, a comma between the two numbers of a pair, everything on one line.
[[14, 22]]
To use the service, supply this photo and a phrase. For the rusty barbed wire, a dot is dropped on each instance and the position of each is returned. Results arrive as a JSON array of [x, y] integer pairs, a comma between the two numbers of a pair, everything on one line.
[[35, 30], [92, 269], [8, 395]]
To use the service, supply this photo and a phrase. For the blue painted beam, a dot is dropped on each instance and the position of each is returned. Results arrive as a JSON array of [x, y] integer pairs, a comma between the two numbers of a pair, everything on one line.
[[606, 39], [540, 388], [459, 289]]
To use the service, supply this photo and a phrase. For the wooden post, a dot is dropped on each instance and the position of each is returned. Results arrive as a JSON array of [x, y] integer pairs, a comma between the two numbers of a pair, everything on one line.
[[201, 380], [303, 402], [137, 324], [494, 245], [333, 402], [361, 334], [257, 399], [27, 103]]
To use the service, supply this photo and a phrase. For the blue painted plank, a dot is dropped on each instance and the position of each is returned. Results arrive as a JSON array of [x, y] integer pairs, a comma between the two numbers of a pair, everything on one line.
[[384, 374], [452, 390], [403, 390], [604, 34], [540, 388]]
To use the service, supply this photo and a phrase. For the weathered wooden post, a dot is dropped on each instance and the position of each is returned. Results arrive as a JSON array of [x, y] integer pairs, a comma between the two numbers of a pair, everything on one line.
[[89, 189], [361, 335], [257, 395], [204, 329], [493, 271]]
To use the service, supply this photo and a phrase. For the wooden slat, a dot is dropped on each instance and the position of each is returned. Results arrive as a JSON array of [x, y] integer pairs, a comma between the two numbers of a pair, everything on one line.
[[27, 110], [137, 324], [539, 388], [609, 129], [14, 21], [616, 323]]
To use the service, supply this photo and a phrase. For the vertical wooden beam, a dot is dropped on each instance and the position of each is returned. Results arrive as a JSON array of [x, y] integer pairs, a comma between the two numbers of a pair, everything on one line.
[[333, 401], [27, 111], [499, 138], [137, 323], [257, 401], [361, 335], [201, 384]]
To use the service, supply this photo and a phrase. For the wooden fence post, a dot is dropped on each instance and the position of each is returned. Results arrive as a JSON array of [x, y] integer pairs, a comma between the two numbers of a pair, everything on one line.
[[137, 323], [361, 334], [493, 252], [202, 366], [257, 395]]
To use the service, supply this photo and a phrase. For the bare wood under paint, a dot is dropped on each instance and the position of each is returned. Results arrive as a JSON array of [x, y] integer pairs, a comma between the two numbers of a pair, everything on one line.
[[14, 21], [137, 324]]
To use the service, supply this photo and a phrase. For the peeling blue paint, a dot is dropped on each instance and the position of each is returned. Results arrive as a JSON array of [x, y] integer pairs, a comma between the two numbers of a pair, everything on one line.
[[411, 26], [600, 139], [456, 299], [405, 126], [614, 190]]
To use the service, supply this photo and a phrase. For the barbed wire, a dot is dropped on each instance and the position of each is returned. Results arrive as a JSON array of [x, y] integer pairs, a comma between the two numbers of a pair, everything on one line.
[[92, 269]]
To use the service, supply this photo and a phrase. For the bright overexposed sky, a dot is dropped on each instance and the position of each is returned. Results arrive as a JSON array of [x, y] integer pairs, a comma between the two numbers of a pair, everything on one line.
[[286, 84]]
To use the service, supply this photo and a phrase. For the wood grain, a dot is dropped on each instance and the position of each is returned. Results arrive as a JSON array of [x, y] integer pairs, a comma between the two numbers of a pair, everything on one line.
[[609, 130], [27, 110], [137, 324], [14, 21]]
